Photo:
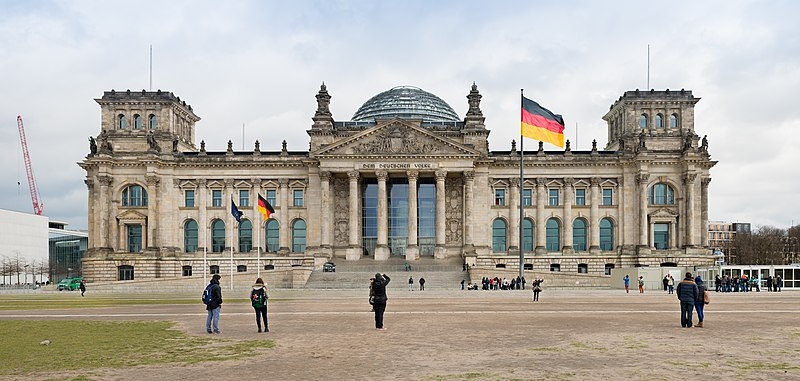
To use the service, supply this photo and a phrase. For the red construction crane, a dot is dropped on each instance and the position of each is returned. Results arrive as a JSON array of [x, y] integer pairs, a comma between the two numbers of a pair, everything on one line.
[[38, 207]]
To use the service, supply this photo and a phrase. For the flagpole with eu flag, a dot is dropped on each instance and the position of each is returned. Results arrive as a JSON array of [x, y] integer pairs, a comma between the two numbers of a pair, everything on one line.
[[237, 214]]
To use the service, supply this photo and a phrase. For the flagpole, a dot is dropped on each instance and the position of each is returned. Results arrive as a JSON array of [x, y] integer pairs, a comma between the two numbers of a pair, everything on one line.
[[521, 190], [232, 242], [258, 241], [205, 252]]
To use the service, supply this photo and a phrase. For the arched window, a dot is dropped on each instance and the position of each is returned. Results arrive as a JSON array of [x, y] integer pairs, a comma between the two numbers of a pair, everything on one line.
[[606, 234], [659, 121], [553, 235], [121, 122], [498, 235], [137, 121], [643, 121], [245, 236], [661, 194], [125, 272], [579, 234], [527, 235], [217, 236], [190, 236], [134, 195], [298, 236], [273, 233], [673, 121], [152, 122]]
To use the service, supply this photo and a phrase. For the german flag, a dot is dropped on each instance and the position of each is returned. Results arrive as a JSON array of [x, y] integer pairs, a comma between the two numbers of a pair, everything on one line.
[[540, 124], [264, 207]]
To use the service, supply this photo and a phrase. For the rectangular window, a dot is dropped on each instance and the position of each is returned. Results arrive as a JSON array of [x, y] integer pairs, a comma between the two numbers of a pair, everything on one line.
[[216, 198], [607, 196], [187, 270], [580, 196], [553, 200], [188, 198], [244, 198], [527, 197], [134, 238], [661, 236], [500, 197], [271, 197], [298, 197]]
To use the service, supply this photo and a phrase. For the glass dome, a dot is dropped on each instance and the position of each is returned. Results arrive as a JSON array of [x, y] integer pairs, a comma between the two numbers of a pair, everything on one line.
[[406, 102]]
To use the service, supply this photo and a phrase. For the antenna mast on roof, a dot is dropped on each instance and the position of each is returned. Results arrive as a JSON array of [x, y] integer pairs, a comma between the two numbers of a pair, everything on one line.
[[151, 67], [648, 67]]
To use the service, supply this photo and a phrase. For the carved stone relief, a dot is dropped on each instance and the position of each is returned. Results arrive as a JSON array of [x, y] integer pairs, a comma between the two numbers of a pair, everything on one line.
[[454, 210], [397, 139], [341, 211]]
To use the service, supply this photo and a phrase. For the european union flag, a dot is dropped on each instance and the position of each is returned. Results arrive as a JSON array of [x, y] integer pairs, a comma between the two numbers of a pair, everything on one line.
[[237, 214]]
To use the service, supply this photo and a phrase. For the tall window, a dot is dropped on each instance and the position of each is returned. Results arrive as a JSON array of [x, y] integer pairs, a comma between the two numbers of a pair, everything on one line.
[[369, 216], [661, 194], [152, 122], [245, 236], [216, 198], [579, 234], [298, 236], [643, 121], [659, 121], [499, 197], [134, 238], [244, 198], [137, 121], [298, 197], [271, 197], [122, 123], [673, 121], [125, 272], [217, 236], [273, 233], [553, 199], [498, 235], [426, 216], [188, 198], [527, 235], [608, 194], [134, 195], [580, 196], [606, 234], [190, 236], [553, 235], [661, 236], [527, 196]]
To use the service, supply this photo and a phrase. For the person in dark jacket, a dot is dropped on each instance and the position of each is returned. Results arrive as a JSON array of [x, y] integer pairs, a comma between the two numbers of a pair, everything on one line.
[[379, 299], [83, 287], [699, 303], [258, 299], [687, 293], [213, 308]]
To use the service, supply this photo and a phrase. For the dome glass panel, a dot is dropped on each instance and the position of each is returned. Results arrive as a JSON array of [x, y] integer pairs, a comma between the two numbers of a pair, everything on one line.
[[406, 102]]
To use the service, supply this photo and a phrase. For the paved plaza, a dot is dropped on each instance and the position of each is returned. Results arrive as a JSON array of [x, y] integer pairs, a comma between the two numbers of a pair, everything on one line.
[[487, 335]]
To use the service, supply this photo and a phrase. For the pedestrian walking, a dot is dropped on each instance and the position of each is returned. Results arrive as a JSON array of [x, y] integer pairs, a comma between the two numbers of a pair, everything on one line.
[[258, 298], [83, 287], [687, 293], [379, 299]]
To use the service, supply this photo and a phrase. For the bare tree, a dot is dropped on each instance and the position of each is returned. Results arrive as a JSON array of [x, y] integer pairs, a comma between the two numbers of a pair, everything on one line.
[[43, 267], [765, 246]]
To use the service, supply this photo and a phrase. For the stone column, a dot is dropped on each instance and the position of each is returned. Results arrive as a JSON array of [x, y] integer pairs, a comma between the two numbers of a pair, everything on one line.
[[688, 182], [152, 212], [469, 179], [412, 251], [283, 229], [594, 216], [354, 249], [513, 216], [569, 197], [382, 248], [541, 224], [325, 225], [704, 211], [104, 212], [641, 182], [441, 250]]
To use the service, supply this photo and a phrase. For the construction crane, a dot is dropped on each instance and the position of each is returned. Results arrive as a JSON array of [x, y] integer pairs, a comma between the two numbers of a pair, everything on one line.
[[38, 207]]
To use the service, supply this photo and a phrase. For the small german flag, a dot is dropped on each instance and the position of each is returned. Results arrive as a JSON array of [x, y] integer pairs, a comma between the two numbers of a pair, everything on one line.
[[265, 208]]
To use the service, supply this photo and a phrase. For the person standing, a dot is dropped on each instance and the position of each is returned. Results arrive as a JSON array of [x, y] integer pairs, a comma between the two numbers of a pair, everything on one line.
[[641, 284], [421, 284], [665, 281], [258, 298], [379, 299], [700, 302], [671, 284], [83, 287], [410, 284], [627, 281], [462, 283], [778, 283], [214, 306], [687, 293], [537, 288]]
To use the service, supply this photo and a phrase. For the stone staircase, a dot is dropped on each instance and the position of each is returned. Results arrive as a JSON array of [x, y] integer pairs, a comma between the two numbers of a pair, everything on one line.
[[439, 274]]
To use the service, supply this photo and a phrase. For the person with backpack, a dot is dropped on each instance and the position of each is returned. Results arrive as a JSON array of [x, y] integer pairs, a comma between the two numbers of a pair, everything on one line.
[[258, 298], [212, 297]]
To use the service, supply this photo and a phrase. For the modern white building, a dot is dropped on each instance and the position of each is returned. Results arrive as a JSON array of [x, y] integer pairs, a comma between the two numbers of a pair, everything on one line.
[[23, 247]]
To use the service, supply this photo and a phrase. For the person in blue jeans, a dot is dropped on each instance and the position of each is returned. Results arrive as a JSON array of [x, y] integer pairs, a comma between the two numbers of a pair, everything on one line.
[[213, 308], [687, 293], [700, 302]]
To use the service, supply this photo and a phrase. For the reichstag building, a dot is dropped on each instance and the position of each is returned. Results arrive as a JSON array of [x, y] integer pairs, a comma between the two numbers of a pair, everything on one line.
[[404, 179]]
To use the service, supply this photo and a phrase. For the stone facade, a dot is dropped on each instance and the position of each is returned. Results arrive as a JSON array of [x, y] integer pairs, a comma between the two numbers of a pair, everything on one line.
[[159, 206]]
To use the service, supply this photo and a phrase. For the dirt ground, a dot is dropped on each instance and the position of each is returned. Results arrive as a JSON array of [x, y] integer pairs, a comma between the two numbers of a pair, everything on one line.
[[488, 335]]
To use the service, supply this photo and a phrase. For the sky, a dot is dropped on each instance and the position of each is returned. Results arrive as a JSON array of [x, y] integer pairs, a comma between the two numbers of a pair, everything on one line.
[[259, 64]]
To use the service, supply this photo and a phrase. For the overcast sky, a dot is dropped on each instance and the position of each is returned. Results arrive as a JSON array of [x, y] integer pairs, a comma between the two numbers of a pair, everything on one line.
[[260, 63]]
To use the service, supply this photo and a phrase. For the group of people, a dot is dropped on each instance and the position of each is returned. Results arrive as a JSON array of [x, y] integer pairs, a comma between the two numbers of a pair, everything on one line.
[[669, 283], [627, 281], [258, 299], [421, 284], [744, 283], [496, 283]]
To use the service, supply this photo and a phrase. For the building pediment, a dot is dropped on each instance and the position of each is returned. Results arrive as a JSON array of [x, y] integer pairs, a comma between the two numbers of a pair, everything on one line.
[[396, 137], [131, 215], [663, 213]]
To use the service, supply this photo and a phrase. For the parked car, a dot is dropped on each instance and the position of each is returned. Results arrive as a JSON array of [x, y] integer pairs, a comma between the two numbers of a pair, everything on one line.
[[70, 283], [329, 267]]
